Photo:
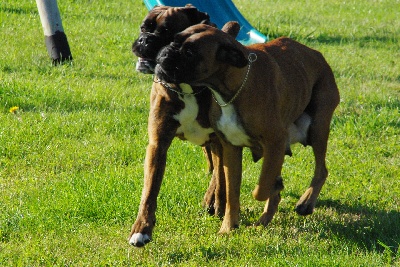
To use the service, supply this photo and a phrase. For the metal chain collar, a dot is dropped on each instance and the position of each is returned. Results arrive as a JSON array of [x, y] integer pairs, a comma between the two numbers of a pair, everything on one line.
[[169, 87], [252, 57]]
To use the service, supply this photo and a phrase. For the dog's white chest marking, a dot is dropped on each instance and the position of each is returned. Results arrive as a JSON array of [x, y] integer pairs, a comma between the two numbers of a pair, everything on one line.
[[230, 126], [190, 128]]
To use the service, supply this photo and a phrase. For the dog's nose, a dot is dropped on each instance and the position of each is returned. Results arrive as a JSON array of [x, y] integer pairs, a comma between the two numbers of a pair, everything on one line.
[[145, 40], [141, 40]]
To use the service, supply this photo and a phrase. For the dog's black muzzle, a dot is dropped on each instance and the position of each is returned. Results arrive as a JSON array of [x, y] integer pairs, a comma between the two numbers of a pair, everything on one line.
[[169, 67], [146, 48]]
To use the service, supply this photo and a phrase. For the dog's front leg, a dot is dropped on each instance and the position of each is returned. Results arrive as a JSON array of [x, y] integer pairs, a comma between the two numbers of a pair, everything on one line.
[[219, 176], [154, 170], [209, 196], [215, 197], [232, 158], [162, 130], [271, 207], [270, 181]]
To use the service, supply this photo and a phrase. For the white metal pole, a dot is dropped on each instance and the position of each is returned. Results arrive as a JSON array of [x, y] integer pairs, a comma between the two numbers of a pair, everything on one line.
[[55, 38]]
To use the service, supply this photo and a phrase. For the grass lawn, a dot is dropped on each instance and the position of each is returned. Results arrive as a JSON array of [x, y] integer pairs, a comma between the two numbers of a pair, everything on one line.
[[71, 155]]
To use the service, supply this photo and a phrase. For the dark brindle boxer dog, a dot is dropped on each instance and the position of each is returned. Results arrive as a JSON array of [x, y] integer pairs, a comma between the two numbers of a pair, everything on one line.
[[268, 95], [174, 111]]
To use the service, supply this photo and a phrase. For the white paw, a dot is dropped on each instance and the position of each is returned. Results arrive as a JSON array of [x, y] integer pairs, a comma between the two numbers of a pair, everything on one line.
[[139, 240]]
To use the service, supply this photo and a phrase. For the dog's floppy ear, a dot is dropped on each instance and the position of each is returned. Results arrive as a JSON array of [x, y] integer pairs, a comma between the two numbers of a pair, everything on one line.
[[232, 28], [194, 15], [232, 56]]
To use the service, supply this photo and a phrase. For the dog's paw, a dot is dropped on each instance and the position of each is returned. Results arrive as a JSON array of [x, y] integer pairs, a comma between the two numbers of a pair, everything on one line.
[[227, 229], [264, 220], [304, 209], [219, 211], [139, 240], [229, 223], [306, 203]]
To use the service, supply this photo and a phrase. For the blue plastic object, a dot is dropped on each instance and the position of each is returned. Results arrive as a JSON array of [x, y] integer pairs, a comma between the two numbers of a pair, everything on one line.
[[220, 12]]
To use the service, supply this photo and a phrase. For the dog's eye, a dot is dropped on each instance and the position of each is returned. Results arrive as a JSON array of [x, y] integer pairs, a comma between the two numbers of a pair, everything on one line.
[[189, 53], [162, 31], [147, 26]]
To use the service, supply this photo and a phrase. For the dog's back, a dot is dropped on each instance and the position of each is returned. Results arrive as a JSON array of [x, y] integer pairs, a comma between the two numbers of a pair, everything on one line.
[[302, 69], [290, 55]]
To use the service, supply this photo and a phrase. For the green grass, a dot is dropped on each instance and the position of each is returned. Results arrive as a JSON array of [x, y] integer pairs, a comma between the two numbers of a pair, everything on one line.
[[71, 157]]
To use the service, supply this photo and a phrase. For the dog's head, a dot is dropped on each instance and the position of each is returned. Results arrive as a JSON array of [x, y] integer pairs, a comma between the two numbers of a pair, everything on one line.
[[158, 30], [200, 52]]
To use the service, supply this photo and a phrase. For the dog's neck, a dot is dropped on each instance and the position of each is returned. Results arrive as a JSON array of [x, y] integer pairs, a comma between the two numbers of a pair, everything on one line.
[[225, 91]]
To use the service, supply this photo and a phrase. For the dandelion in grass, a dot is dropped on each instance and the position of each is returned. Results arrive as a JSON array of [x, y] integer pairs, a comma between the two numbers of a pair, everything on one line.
[[14, 110]]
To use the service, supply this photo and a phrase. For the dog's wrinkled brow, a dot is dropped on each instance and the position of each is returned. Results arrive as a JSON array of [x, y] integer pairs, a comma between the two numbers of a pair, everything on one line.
[[148, 26], [180, 38]]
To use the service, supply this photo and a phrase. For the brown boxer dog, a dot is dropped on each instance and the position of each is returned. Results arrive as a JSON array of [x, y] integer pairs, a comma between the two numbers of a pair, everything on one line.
[[267, 96], [157, 30], [175, 110]]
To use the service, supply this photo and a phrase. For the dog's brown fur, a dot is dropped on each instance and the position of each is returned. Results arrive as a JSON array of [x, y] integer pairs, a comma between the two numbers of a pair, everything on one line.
[[165, 104], [285, 84]]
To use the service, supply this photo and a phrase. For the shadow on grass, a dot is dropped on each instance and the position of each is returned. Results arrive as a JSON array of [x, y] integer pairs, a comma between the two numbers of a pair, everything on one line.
[[369, 229], [18, 10], [338, 40], [375, 230], [327, 39]]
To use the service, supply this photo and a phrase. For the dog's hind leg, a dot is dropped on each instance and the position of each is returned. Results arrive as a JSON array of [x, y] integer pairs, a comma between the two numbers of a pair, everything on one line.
[[324, 101], [307, 201]]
